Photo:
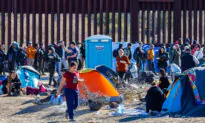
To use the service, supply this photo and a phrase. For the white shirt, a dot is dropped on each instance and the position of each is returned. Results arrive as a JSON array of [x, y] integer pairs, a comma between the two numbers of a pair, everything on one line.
[[198, 54]]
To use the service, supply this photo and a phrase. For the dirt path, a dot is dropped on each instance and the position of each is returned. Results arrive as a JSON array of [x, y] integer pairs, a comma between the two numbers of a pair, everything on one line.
[[23, 110]]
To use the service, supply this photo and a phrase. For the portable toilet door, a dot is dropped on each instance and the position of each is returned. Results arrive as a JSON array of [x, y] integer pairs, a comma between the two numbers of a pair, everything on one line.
[[98, 51]]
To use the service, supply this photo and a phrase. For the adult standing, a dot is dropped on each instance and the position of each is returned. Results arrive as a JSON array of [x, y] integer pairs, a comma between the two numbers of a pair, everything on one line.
[[31, 51], [176, 55], [52, 59], [79, 56], [70, 83], [139, 56], [150, 58], [12, 57], [21, 56], [199, 53], [62, 53], [72, 57], [122, 64], [163, 57], [36, 65], [82, 51], [2, 59], [40, 58], [188, 60], [128, 51]]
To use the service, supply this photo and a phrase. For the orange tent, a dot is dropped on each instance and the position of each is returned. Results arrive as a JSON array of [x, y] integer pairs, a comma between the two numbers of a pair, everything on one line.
[[96, 83]]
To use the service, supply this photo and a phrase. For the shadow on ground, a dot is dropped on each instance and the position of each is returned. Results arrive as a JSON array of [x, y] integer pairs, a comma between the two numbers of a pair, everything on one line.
[[32, 109]]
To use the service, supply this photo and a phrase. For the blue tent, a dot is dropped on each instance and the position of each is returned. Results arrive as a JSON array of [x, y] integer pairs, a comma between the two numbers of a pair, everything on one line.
[[186, 95], [28, 76]]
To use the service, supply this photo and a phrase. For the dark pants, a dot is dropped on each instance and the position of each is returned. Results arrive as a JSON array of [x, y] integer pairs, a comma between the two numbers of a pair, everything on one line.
[[2, 69], [121, 75], [51, 75], [41, 66], [71, 101], [150, 65]]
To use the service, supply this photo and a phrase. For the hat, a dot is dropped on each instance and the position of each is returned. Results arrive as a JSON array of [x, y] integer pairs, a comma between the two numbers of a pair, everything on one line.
[[29, 42], [176, 42]]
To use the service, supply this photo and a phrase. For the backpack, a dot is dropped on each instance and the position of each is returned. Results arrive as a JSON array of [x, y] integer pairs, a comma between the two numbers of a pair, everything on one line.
[[115, 53], [57, 57], [147, 76]]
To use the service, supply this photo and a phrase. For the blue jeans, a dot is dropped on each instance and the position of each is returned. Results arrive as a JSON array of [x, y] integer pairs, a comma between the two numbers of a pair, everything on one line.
[[71, 101], [150, 65]]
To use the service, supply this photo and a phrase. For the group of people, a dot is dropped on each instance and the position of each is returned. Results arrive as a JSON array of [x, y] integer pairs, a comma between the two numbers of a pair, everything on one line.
[[52, 59], [65, 61], [186, 56]]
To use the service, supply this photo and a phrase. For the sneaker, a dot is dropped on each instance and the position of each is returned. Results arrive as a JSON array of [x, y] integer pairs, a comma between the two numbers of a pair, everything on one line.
[[72, 120]]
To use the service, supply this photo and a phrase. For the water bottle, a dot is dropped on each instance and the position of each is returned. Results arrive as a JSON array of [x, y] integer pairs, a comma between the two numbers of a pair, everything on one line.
[[121, 108]]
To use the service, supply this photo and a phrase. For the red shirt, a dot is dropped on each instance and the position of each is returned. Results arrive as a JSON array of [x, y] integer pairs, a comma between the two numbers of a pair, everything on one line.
[[69, 80]]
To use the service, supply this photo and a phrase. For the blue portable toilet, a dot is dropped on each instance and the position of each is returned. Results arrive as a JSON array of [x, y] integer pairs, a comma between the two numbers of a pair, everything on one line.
[[98, 51]]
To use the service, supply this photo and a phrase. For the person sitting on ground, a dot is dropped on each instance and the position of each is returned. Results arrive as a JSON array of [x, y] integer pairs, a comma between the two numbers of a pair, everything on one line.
[[164, 81], [154, 98], [14, 84], [122, 64]]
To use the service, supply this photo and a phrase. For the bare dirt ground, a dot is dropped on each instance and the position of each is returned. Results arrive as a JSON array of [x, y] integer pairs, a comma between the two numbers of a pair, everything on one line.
[[23, 110]]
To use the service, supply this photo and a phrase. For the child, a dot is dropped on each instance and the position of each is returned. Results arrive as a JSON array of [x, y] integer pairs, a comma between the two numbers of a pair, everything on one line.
[[14, 84], [164, 81]]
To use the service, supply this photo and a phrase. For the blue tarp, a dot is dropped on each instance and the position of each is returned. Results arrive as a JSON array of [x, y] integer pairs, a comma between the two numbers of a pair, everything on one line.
[[28, 77]]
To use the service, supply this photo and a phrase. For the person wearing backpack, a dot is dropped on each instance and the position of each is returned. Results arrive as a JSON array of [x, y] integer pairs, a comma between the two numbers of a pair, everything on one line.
[[52, 60], [115, 52]]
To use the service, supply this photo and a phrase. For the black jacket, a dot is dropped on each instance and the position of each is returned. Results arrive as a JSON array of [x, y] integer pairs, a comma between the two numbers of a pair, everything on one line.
[[82, 51], [59, 51], [2, 56], [187, 62], [163, 58], [164, 82], [154, 99], [12, 55], [21, 55]]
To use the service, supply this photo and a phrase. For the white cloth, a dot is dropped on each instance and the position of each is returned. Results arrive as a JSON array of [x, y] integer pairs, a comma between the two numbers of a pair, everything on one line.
[[196, 60], [198, 54], [63, 54], [78, 53]]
